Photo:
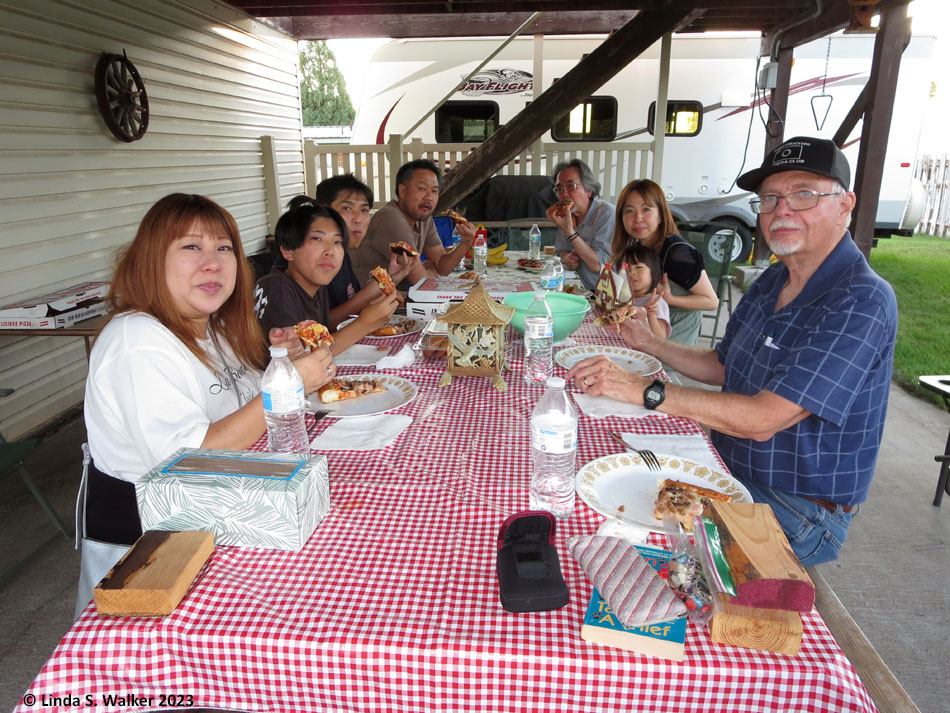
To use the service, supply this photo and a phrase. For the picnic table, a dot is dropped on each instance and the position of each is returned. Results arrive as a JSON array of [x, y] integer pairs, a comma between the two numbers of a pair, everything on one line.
[[393, 602]]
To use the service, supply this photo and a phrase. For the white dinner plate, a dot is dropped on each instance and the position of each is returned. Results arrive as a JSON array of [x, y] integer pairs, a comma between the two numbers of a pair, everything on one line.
[[629, 359], [417, 325], [398, 393], [622, 487], [579, 290]]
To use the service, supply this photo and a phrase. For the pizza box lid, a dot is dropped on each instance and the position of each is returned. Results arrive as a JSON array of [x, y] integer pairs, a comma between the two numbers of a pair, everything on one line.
[[53, 303], [443, 289]]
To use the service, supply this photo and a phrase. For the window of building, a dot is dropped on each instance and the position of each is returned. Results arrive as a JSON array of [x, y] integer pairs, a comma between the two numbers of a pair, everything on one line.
[[465, 122], [594, 120], [683, 118]]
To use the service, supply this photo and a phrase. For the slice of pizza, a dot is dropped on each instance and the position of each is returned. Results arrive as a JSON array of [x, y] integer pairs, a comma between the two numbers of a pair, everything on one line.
[[454, 215], [617, 315], [469, 275], [403, 248], [564, 207], [394, 329], [345, 389], [684, 501], [313, 334], [384, 281]]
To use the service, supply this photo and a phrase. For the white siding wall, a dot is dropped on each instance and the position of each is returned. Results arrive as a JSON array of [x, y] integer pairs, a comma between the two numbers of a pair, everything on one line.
[[70, 193]]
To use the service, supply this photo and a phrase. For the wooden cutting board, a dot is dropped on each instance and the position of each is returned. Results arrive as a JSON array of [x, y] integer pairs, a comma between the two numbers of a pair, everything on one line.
[[153, 576]]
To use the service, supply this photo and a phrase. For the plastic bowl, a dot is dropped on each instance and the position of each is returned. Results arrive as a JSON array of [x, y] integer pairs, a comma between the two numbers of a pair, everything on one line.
[[568, 311]]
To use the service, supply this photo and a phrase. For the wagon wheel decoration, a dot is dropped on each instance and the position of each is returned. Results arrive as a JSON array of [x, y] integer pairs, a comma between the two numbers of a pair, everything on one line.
[[120, 92]]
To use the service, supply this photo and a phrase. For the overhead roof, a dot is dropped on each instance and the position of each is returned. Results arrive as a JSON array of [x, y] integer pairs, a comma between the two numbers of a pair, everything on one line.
[[316, 19]]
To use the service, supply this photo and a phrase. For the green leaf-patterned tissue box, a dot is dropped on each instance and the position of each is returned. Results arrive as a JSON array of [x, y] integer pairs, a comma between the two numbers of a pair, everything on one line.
[[269, 500]]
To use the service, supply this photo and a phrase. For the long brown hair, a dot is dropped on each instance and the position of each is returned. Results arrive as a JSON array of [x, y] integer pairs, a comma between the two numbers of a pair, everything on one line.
[[139, 281], [651, 193]]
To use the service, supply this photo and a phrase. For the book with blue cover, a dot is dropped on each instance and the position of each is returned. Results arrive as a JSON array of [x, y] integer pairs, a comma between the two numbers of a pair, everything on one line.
[[665, 640]]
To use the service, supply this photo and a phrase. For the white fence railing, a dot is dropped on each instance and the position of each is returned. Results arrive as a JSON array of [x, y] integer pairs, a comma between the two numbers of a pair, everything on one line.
[[934, 173], [613, 164]]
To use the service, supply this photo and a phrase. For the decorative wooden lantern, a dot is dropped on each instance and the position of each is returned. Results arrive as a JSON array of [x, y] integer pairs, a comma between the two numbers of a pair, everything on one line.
[[476, 337]]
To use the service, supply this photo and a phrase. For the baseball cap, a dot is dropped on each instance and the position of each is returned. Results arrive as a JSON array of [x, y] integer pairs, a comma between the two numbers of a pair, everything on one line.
[[802, 153]]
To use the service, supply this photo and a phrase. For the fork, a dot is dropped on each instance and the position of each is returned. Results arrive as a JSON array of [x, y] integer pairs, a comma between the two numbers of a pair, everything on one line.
[[649, 457], [317, 415]]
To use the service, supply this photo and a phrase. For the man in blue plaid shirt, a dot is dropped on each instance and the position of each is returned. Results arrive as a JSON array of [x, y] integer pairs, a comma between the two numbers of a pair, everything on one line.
[[805, 363]]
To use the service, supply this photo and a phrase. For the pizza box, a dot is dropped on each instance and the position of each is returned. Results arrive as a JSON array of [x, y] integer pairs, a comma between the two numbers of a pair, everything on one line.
[[64, 319], [53, 303], [430, 292], [268, 500]]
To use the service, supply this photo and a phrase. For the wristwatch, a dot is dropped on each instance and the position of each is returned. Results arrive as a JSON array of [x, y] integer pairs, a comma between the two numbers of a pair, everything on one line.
[[654, 394]]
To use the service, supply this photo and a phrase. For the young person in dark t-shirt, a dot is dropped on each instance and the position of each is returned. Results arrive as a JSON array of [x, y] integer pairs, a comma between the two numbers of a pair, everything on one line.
[[311, 238]]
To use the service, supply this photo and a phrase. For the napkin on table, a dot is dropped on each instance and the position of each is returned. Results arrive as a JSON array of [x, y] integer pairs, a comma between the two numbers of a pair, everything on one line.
[[404, 357], [363, 433], [360, 355], [602, 406], [694, 448]]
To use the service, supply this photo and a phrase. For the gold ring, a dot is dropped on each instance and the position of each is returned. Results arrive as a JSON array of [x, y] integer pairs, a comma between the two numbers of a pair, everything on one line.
[[585, 382]]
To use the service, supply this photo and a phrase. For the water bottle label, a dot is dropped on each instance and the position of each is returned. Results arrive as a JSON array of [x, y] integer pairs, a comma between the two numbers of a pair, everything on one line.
[[554, 440], [538, 330], [483, 250], [550, 283], [283, 401]]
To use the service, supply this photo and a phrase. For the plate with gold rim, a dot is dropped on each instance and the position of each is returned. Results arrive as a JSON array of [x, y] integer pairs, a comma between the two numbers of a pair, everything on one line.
[[622, 487], [398, 393], [629, 359]]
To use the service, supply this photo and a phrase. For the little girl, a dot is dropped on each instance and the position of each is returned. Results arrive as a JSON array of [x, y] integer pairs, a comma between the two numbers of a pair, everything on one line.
[[642, 266]]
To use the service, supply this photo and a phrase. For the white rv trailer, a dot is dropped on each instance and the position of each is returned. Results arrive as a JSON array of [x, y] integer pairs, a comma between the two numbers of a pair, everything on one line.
[[713, 110]]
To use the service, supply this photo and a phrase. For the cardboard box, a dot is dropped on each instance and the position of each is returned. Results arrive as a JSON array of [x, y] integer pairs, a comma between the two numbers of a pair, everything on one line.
[[427, 295], [64, 319], [268, 500], [49, 305]]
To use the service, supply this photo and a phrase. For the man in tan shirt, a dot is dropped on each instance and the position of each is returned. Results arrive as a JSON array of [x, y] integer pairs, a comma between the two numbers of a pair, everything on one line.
[[409, 219]]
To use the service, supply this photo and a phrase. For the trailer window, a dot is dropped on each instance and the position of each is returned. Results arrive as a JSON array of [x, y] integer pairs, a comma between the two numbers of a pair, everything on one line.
[[465, 122], [594, 120], [683, 118]]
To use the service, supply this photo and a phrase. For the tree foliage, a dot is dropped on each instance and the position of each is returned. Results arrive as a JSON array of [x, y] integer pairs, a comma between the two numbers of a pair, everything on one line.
[[323, 95]]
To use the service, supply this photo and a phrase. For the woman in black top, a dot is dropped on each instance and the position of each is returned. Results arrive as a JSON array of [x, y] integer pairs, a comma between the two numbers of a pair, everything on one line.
[[643, 215]]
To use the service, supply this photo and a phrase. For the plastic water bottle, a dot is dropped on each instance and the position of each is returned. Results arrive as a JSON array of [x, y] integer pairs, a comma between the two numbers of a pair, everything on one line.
[[480, 251], [538, 341], [552, 275], [534, 242], [553, 451], [456, 239], [283, 396]]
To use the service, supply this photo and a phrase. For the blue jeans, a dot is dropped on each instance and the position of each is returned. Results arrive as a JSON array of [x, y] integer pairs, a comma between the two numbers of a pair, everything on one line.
[[815, 534]]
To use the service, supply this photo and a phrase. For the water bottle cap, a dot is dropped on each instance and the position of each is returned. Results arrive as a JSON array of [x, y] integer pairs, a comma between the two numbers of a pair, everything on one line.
[[556, 382], [278, 352]]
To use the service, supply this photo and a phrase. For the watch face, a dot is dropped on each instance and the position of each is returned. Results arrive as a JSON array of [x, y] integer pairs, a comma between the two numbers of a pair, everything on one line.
[[654, 395]]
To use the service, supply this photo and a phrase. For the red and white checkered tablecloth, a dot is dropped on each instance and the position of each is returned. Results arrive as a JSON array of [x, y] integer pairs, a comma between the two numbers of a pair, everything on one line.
[[393, 604]]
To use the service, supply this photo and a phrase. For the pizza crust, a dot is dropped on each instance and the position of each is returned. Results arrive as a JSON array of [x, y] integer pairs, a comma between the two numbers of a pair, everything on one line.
[[684, 501], [342, 389]]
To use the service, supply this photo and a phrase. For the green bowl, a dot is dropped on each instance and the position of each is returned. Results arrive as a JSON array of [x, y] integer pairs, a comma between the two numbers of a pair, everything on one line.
[[568, 311]]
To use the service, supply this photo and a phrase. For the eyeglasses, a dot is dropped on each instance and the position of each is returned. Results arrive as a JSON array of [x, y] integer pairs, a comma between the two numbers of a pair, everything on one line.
[[569, 186], [799, 200]]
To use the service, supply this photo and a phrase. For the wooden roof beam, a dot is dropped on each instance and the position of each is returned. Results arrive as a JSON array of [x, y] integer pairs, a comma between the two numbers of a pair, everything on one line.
[[615, 53], [453, 25]]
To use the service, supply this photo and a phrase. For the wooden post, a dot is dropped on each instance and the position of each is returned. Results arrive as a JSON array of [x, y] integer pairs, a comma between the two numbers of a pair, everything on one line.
[[613, 54], [395, 160], [659, 117], [310, 167], [882, 86], [778, 100], [271, 181]]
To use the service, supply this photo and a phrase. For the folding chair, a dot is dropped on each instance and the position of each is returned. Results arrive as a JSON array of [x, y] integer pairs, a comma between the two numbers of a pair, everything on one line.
[[718, 266], [11, 461]]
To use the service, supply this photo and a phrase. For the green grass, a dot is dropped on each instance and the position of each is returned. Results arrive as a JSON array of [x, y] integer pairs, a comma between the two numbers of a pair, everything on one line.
[[919, 270]]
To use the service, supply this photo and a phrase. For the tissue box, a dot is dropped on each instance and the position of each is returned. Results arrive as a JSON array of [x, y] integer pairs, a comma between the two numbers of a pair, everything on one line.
[[269, 500]]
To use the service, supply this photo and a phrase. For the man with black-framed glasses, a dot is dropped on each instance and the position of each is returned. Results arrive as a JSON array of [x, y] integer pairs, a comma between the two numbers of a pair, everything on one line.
[[805, 364], [586, 221]]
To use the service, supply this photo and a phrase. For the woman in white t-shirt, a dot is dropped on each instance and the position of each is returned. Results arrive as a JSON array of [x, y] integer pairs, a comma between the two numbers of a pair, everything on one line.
[[178, 365]]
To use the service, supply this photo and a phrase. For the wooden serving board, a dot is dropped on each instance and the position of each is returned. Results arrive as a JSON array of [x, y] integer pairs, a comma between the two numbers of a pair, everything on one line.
[[764, 629], [766, 572], [153, 576]]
